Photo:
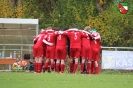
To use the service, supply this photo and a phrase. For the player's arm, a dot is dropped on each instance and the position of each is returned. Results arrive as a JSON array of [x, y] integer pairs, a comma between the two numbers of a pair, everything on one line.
[[95, 36], [46, 42], [35, 39], [72, 29], [85, 32], [98, 37], [66, 33]]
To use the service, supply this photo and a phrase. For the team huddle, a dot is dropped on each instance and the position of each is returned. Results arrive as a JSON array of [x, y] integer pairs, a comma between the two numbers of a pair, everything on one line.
[[51, 48]]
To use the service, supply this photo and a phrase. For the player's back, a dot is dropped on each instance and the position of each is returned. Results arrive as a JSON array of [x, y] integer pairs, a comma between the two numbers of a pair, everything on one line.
[[39, 41], [61, 41], [85, 41], [51, 37], [75, 39], [95, 43]]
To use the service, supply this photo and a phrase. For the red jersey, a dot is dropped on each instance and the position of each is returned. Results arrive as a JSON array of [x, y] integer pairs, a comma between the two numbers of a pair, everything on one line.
[[95, 42], [51, 37], [85, 41], [75, 38], [36, 38], [95, 46], [39, 39], [61, 41]]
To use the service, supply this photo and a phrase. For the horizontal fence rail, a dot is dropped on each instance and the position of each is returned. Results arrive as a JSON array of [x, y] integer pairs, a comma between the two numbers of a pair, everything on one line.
[[103, 47]]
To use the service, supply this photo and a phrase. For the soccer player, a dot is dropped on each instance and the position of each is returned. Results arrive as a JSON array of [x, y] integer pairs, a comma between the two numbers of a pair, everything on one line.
[[85, 51], [61, 52], [95, 49], [50, 50], [38, 50], [75, 47]]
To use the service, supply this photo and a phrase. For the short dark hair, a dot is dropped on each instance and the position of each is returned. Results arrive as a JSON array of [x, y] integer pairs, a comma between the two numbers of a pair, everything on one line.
[[56, 29], [73, 26], [64, 29]]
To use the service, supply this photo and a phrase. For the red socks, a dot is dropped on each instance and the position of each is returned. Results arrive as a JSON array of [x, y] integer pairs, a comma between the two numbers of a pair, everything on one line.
[[75, 67], [88, 68], [52, 66], [39, 67], [46, 65], [96, 70], [82, 67], [57, 67], [92, 67], [62, 68]]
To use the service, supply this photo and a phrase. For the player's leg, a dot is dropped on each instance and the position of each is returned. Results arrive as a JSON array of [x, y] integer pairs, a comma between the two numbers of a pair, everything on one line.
[[43, 68], [58, 53], [82, 60], [88, 66], [92, 61], [46, 64], [96, 62], [40, 55], [36, 64], [63, 58], [82, 65], [92, 67], [76, 55], [52, 56], [71, 60], [40, 64], [71, 65], [96, 67], [62, 66], [57, 65], [52, 64], [75, 65], [89, 53], [49, 67], [47, 61]]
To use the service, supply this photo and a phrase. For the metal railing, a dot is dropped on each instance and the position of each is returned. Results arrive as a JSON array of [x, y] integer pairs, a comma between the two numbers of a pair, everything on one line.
[[116, 48]]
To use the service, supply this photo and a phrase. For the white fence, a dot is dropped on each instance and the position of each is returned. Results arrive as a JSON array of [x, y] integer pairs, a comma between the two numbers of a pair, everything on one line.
[[120, 58]]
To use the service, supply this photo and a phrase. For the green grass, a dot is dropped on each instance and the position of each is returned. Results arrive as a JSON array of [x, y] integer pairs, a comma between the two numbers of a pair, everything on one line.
[[53, 80]]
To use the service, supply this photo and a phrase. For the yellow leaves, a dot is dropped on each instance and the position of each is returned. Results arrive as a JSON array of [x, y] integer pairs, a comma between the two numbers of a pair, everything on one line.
[[19, 11], [76, 14], [96, 22], [59, 15], [8, 12], [102, 2]]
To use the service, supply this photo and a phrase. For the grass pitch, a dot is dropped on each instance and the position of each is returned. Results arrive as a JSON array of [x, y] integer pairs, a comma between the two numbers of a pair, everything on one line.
[[54, 80]]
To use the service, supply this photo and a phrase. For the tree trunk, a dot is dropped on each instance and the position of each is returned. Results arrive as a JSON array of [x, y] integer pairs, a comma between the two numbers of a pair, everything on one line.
[[100, 6], [12, 3], [19, 2]]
